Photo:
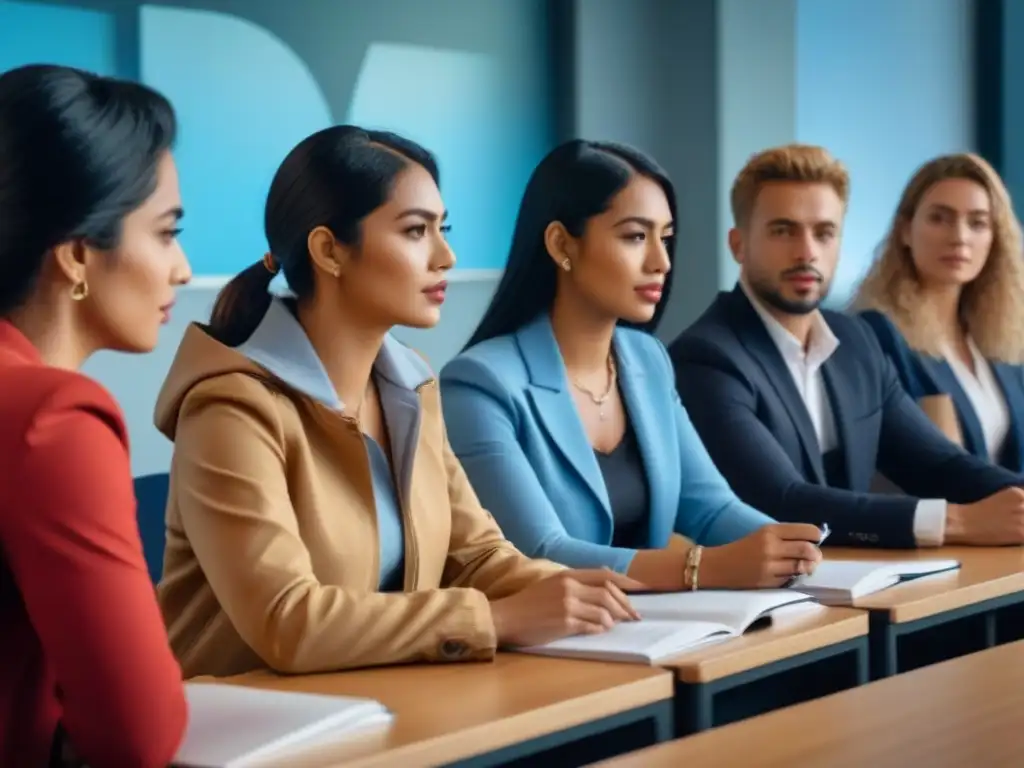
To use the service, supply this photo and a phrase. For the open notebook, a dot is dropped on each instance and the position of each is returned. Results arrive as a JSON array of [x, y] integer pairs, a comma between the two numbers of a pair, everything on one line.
[[674, 622], [840, 582], [232, 726]]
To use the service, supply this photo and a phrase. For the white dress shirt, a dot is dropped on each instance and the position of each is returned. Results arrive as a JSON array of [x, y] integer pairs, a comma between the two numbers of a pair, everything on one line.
[[805, 367], [986, 397]]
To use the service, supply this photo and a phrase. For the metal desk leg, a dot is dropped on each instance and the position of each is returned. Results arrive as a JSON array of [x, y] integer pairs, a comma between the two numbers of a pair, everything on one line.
[[991, 629], [882, 639], [694, 708], [862, 663], [664, 720]]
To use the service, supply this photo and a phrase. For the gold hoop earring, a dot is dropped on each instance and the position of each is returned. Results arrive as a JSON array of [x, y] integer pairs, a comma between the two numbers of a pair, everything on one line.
[[566, 265], [79, 291]]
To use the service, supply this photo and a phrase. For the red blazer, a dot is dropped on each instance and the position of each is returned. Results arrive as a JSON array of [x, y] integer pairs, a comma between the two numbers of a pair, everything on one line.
[[82, 641]]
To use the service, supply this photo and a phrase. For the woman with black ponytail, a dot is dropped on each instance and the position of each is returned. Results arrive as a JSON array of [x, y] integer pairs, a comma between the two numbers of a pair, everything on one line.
[[318, 519], [89, 210]]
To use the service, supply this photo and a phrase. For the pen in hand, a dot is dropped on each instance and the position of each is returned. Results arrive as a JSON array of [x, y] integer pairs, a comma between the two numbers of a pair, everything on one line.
[[825, 531]]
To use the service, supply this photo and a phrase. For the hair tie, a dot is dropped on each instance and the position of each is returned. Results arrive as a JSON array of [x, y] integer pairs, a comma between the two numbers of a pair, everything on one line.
[[271, 263]]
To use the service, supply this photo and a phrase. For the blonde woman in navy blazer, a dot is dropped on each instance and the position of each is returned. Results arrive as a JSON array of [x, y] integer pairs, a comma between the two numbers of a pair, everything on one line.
[[945, 298], [567, 421]]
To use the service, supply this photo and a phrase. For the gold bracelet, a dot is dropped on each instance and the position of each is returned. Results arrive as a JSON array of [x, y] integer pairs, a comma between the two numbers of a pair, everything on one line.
[[691, 577], [694, 585]]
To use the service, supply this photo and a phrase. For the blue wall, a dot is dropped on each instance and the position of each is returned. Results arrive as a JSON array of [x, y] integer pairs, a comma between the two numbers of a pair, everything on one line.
[[469, 82], [1000, 89], [885, 85], [75, 37], [244, 100], [250, 78]]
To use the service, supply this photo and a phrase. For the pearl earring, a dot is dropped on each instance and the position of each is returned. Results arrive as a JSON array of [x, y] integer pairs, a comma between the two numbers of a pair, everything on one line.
[[566, 265]]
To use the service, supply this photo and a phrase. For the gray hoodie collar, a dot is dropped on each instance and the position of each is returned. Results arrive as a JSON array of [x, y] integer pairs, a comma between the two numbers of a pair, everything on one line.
[[280, 345]]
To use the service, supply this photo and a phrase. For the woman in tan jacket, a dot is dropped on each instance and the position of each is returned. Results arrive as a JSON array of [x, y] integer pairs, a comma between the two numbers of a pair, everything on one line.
[[317, 517]]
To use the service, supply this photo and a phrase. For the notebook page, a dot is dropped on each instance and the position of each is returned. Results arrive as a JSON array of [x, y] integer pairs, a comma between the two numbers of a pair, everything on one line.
[[646, 638], [838, 574], [735, 608], [915, 567], [309, 752], [230, 724], [856, 576], [893, 573]]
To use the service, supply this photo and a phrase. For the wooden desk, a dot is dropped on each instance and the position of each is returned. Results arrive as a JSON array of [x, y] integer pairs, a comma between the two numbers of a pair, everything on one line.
[[488, 714], [801, 637], [989, 579], [967, 711]]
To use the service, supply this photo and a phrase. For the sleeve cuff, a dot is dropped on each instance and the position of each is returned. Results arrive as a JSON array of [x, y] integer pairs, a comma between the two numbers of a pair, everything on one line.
[[470, 636], [623, 560], [930, 522]]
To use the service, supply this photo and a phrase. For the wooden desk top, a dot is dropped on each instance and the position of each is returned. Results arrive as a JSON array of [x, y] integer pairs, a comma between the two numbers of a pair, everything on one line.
[[985, 573], [794, 630], [968, 711], [448, 712]]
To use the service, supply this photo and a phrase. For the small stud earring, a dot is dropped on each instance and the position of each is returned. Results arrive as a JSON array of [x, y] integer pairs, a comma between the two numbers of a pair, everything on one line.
[[566, 265], [336, 271]]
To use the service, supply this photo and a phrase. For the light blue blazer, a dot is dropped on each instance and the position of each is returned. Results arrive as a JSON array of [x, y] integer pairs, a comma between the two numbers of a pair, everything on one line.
[[512, 422]]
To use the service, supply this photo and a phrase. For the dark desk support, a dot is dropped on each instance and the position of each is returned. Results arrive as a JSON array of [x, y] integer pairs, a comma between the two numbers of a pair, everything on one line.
[[700, 706]]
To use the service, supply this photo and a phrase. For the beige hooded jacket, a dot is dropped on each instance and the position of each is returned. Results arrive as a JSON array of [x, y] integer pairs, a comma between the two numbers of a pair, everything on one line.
[[272, 551]]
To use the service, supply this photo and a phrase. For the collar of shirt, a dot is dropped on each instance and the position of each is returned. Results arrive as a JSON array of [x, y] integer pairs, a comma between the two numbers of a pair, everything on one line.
[[982, 373], [952, 356], [822, 343]]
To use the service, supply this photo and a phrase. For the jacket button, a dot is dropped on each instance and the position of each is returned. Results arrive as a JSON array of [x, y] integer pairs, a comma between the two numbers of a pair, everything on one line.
[[453, 649]]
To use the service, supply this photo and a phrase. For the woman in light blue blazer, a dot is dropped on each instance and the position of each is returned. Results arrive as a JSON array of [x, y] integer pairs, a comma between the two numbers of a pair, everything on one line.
[[563, 408]]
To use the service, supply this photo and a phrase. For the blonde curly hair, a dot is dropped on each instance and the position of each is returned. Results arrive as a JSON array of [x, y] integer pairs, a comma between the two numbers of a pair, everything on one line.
[[991, 305]]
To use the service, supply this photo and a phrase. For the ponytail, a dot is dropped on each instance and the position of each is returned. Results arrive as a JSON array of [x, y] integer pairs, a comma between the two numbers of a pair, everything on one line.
[[242, 303], [334, 178]]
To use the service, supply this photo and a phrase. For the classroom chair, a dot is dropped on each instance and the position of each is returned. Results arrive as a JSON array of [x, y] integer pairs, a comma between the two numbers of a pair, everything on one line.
[[151, 502]]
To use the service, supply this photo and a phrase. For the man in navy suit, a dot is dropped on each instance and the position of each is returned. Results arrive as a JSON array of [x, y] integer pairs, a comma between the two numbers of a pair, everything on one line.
[[798, 406]]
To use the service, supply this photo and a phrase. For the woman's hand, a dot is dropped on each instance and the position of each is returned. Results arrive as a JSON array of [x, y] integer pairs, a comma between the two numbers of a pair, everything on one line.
[[769, 557], [567, 603]]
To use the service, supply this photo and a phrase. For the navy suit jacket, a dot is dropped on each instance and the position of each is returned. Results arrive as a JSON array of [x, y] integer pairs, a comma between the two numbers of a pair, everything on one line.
[[922, 375], [512, 422], [745, 405]]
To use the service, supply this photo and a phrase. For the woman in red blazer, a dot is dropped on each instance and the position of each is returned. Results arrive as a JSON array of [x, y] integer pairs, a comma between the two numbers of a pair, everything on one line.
[[89, 210]]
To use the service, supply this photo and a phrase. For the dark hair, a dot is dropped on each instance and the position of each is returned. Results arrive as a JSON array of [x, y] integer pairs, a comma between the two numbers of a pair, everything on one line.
[[335, 179], [575, 182], [78, 153]]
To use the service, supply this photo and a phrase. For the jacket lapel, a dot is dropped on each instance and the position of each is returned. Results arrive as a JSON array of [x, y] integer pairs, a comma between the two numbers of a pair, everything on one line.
[[554, 406], [401, 409], [1011, 380], [755, 338], [970, 427], [400, 374], [839, 396], [653, 429]]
